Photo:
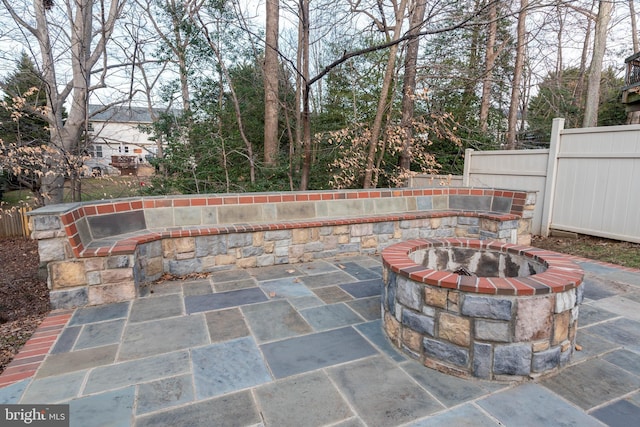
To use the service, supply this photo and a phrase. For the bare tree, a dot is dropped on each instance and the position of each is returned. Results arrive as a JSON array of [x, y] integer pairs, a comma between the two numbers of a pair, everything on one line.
[[585, 51], [384, 100], [633, 117], [271, 80], [74, 35], [416, 18], [605, 10], [234, 98], [634, 27], [305, 117], [512, 120], [179, 38], [489, 63]]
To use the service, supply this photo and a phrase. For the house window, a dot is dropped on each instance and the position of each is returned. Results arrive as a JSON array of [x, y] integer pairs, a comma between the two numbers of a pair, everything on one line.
[[97, 151], [126, 149]]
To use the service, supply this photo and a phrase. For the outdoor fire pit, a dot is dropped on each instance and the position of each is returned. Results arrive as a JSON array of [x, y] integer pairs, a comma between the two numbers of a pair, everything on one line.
[[487, 309]]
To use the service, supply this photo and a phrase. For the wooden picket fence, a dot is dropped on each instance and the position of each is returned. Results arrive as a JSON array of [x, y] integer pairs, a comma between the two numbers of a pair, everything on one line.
[[14, 222]]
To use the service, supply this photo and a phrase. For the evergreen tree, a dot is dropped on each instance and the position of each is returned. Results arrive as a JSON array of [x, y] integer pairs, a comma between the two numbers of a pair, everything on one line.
[[558, 98], [22, 127], [24, 95]]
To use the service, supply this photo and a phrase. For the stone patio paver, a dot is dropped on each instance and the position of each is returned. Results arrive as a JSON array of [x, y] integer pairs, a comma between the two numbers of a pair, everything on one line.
[[200, 303], [399, 400], [55, 389], [162, 336], [137, 371], [372, 331], [232, 409], [327, 279], [227, 367], [99, 334], [67, 339], [589, 314], [364, 288], [165, 393], [99, 313], [289, 287], [61, 363], [621, 305], [332, 294], [358, 271], [275, 320], [625, 332], [619, 414], [368, 308], [330, 316], [144, 309], [534, 405], [115, 406], [592, 383], [310, 352], [463, 416], [303, 345], [296, 401], [449, 390], [226, 324]]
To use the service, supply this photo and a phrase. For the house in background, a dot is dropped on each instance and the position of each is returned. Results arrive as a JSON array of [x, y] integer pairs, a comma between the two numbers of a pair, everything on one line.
[[118, 139], [631, 89]]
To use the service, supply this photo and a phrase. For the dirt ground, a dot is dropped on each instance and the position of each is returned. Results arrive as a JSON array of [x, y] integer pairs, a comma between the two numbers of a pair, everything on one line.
[[24, 298]]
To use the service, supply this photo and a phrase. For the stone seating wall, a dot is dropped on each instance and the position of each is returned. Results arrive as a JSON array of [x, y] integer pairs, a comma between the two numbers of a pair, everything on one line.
[[104, 251]]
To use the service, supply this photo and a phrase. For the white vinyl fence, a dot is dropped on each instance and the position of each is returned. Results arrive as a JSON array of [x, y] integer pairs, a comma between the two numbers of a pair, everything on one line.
[[588, 181], [595, 183]]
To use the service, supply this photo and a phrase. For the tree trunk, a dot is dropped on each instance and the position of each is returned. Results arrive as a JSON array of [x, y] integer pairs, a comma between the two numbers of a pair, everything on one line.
[[634, 27], [306, 113], [270, 76], [583, 63], [559, 60], [180, 50], [633, 117], [383, 102], [512, 122], [409, 84], [489, 63], [595, 68]]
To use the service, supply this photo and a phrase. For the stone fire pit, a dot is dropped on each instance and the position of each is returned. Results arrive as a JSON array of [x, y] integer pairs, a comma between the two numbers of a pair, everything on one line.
[[479, 308]]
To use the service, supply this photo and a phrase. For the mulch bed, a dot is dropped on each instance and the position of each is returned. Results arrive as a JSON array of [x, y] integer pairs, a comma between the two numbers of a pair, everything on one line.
[[24, 297]]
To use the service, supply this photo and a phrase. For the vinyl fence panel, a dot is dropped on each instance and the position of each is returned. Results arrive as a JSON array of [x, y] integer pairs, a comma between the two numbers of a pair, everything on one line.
[[588, 182], [597, 185], [510, 169]]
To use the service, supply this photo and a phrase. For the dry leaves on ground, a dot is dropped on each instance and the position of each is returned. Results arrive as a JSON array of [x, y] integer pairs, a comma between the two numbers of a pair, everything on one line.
[[24, 298]]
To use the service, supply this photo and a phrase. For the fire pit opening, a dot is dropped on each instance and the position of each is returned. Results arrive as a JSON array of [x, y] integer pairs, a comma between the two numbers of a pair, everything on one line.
[[479, 308], [479, 262]]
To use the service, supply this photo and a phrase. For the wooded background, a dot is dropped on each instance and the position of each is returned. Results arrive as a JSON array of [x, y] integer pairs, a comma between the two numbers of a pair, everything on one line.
[[303, 94]]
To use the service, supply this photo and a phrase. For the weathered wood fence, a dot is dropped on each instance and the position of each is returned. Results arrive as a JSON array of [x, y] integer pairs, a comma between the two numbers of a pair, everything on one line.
[[14, 222]]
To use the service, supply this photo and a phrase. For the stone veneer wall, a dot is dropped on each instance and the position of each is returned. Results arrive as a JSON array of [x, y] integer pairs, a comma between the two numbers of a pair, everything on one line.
[[101, 252], [486, 327]]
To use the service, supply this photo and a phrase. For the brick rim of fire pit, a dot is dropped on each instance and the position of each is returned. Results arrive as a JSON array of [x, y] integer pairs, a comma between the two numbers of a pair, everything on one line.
[[561, 273]]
